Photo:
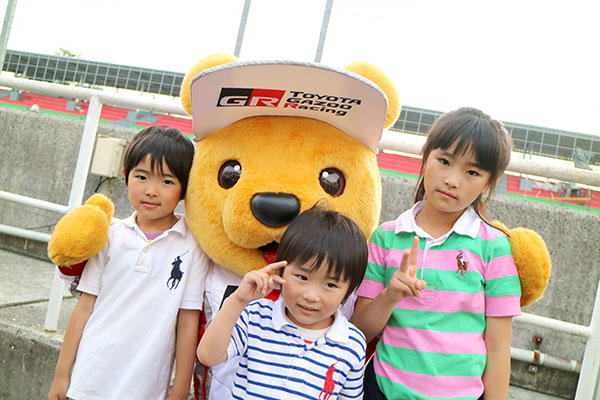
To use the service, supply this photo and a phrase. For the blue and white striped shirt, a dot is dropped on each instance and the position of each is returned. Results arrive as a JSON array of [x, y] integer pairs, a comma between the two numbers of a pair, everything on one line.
[[276, 363]]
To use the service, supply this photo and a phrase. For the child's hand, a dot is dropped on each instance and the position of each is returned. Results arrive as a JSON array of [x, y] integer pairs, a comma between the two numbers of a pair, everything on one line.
[[59, 388], [404, 281], [257, 284]]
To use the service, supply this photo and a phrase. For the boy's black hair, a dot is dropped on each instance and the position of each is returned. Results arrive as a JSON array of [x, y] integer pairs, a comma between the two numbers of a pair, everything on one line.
[[319, 235], [162, 143]]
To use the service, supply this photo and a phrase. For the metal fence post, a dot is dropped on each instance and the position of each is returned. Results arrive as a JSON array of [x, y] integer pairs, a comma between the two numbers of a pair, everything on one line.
[[75, 199], [590, 367], [324, 27], [6, 27], [242, 29]]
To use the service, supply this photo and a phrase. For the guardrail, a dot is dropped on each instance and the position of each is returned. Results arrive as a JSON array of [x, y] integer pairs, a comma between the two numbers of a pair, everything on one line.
[[549, 168], [96, 99], [588, 376]]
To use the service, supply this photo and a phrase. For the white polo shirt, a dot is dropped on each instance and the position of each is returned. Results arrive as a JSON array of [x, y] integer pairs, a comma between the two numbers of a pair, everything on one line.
[[128, 344], [276, 362]]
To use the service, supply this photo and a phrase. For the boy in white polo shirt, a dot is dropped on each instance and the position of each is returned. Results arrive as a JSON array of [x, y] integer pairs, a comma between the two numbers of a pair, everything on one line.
[[141, 296], [299, 346]]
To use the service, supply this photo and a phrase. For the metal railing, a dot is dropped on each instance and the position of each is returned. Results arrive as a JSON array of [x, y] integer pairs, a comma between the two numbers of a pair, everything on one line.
[[529, 139], [553, 169], [590, 366], [96, 99]]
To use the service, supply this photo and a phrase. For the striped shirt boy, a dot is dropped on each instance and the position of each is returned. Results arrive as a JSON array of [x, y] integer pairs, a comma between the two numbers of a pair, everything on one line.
[[433, 347], [276, 363]]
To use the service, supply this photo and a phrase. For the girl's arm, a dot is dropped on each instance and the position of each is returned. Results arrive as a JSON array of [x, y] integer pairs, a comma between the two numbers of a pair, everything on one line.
[[79, 318], [371, 315], [496, 375], [187, 338], [212, 349]]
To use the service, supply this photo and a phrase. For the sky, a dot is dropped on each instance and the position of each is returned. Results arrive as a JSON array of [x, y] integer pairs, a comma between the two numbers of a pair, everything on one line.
[[527, 61]]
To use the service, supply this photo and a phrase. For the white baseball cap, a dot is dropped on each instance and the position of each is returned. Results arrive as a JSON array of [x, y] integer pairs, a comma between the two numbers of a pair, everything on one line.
[[230, 92]]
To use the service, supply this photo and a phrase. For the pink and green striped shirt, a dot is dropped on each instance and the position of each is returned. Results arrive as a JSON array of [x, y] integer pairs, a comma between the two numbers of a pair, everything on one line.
[[432, 347]]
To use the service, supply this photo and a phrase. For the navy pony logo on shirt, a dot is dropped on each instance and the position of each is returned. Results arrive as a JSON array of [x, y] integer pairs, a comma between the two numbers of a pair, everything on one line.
[[176, 273]]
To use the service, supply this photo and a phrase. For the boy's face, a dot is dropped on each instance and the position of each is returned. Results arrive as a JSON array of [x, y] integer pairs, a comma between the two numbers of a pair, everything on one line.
[[154, 196], [311, 298]]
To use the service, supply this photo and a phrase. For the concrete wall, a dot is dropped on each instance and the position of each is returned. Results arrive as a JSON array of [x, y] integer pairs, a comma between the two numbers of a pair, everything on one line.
[[27, 363], [38, 155]]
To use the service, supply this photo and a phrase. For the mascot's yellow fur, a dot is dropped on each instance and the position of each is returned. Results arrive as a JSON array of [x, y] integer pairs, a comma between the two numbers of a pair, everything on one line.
[[302, 157], [227, 229]]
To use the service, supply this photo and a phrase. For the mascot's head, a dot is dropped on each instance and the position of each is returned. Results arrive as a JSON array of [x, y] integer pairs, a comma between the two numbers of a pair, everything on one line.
[[273, 139]]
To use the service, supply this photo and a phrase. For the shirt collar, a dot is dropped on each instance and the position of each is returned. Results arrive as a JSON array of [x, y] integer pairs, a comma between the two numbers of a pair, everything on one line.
[[338, 331], [467, 224], [179, 227], [279, 319]]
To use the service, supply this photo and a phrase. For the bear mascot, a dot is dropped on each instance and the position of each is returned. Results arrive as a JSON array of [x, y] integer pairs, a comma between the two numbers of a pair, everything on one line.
[[272, 139]]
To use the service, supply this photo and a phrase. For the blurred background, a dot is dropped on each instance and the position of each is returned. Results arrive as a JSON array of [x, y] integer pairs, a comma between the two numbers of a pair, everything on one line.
[[531, 62]]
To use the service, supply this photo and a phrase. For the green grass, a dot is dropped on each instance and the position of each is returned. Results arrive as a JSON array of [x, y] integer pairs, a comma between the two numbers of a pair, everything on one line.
[[396, 173], [78, 117], [554, 202]]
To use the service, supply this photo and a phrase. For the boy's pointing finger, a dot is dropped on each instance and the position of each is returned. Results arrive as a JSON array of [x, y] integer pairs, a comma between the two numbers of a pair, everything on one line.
[[274, 267], [278, 279]]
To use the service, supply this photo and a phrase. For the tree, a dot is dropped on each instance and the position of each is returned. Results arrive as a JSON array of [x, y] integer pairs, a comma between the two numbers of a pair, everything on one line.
[[66, 53]]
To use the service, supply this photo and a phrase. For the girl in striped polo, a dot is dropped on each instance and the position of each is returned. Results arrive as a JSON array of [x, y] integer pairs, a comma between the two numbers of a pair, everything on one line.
[[444, 308]]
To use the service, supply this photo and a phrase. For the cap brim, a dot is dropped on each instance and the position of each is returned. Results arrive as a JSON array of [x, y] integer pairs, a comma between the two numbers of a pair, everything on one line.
[[230, 92]]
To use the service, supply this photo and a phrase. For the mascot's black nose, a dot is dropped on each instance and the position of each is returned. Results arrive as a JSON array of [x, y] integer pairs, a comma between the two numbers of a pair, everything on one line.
[[275, 209]]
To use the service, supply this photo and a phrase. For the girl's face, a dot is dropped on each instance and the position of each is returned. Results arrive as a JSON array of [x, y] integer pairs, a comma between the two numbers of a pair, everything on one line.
[[453, 182]]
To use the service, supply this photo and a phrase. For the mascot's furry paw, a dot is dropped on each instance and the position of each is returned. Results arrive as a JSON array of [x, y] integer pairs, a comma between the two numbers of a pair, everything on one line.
[[81, 233], [532, 260]]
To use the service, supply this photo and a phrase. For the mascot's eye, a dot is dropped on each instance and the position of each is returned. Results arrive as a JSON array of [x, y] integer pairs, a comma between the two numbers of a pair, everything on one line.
[[332, 181], [229, 173]]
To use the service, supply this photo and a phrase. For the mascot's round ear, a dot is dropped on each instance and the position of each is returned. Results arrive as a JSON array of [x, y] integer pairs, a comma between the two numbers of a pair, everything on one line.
[[207, 62], [532, 259], [381, 79]]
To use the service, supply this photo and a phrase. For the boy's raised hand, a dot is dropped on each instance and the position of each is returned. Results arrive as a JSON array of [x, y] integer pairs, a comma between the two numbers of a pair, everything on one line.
[[404, 281], [259, 283]]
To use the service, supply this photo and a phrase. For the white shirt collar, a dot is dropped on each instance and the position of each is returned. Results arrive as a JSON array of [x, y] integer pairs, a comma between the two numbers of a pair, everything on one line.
[[338, 331], [179, 227], [467, 224]]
